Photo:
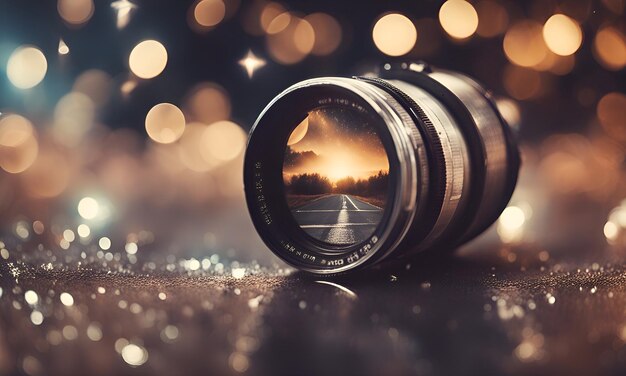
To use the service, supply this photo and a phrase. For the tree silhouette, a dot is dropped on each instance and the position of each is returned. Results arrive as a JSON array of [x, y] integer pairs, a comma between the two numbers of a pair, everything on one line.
[[309, 184], [313, 184]]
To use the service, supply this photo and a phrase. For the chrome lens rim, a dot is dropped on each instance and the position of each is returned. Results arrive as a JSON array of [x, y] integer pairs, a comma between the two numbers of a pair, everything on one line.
[[309, 256]]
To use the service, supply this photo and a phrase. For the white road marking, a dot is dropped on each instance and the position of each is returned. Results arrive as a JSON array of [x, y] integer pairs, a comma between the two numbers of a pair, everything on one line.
[[348, 197], [338, 225], [334, 210]]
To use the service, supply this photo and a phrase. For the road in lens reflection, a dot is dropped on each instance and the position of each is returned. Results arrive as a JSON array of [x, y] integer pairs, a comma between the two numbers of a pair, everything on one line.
[[338, 218]]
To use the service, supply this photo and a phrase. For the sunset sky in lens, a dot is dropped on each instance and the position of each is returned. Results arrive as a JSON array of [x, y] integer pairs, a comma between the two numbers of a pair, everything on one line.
[[343, 142]]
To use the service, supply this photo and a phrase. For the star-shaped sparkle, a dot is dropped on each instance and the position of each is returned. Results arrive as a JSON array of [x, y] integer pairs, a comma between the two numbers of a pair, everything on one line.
[[124, 8], [251, 63]]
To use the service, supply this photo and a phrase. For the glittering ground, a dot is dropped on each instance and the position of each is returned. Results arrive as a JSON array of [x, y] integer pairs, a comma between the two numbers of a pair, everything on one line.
[[100, 281], [464, 315]]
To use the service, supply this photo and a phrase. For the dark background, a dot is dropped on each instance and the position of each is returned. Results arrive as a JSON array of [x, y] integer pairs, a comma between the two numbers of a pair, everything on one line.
[[199, 292]]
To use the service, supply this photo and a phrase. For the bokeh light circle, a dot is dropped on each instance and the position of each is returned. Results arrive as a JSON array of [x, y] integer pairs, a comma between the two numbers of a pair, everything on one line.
[[394, 34], [207, 103], [165, 123], [327, 33], [609, 47], [191, 148], [293, 43], [18, 144], [74, 116], [562, 34], [148, 59], [209, 13], [48, 176], [88, 208], [95, 84], [278, 23], [75, 12], [493, 18], [522, 83], [26, 67], [524, 44], [612, 114], [458, 18], [269, 13], [223, 141]]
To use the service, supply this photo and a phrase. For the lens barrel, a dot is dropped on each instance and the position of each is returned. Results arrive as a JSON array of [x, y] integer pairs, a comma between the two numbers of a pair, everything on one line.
[[415, 159]]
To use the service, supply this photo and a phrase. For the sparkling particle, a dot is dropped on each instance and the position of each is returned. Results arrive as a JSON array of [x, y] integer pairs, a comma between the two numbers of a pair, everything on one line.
[[238, 273], [63, 48], [101, 290], [302, 304], [162, 296], [36, 317], [66, 299], [134, 355], [551, 298], [254, 302], [251, 63], [31, 297], [124, 9]]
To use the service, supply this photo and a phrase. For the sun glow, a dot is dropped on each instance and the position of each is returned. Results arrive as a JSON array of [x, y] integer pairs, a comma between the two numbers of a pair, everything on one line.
[[334, 145]]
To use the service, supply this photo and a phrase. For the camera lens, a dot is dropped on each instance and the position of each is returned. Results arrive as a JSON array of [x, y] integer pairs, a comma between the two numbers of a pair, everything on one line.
[[341, 173]]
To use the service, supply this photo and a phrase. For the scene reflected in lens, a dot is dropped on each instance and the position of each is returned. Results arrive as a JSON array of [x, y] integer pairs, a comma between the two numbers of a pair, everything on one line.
[[336, 175]]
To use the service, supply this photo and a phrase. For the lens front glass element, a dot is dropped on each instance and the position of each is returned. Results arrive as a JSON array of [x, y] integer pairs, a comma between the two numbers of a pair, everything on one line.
[[336, 175]]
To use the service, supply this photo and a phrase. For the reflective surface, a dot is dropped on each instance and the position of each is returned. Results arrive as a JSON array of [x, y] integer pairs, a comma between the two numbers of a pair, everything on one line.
[[524, 298], [336, 175]]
